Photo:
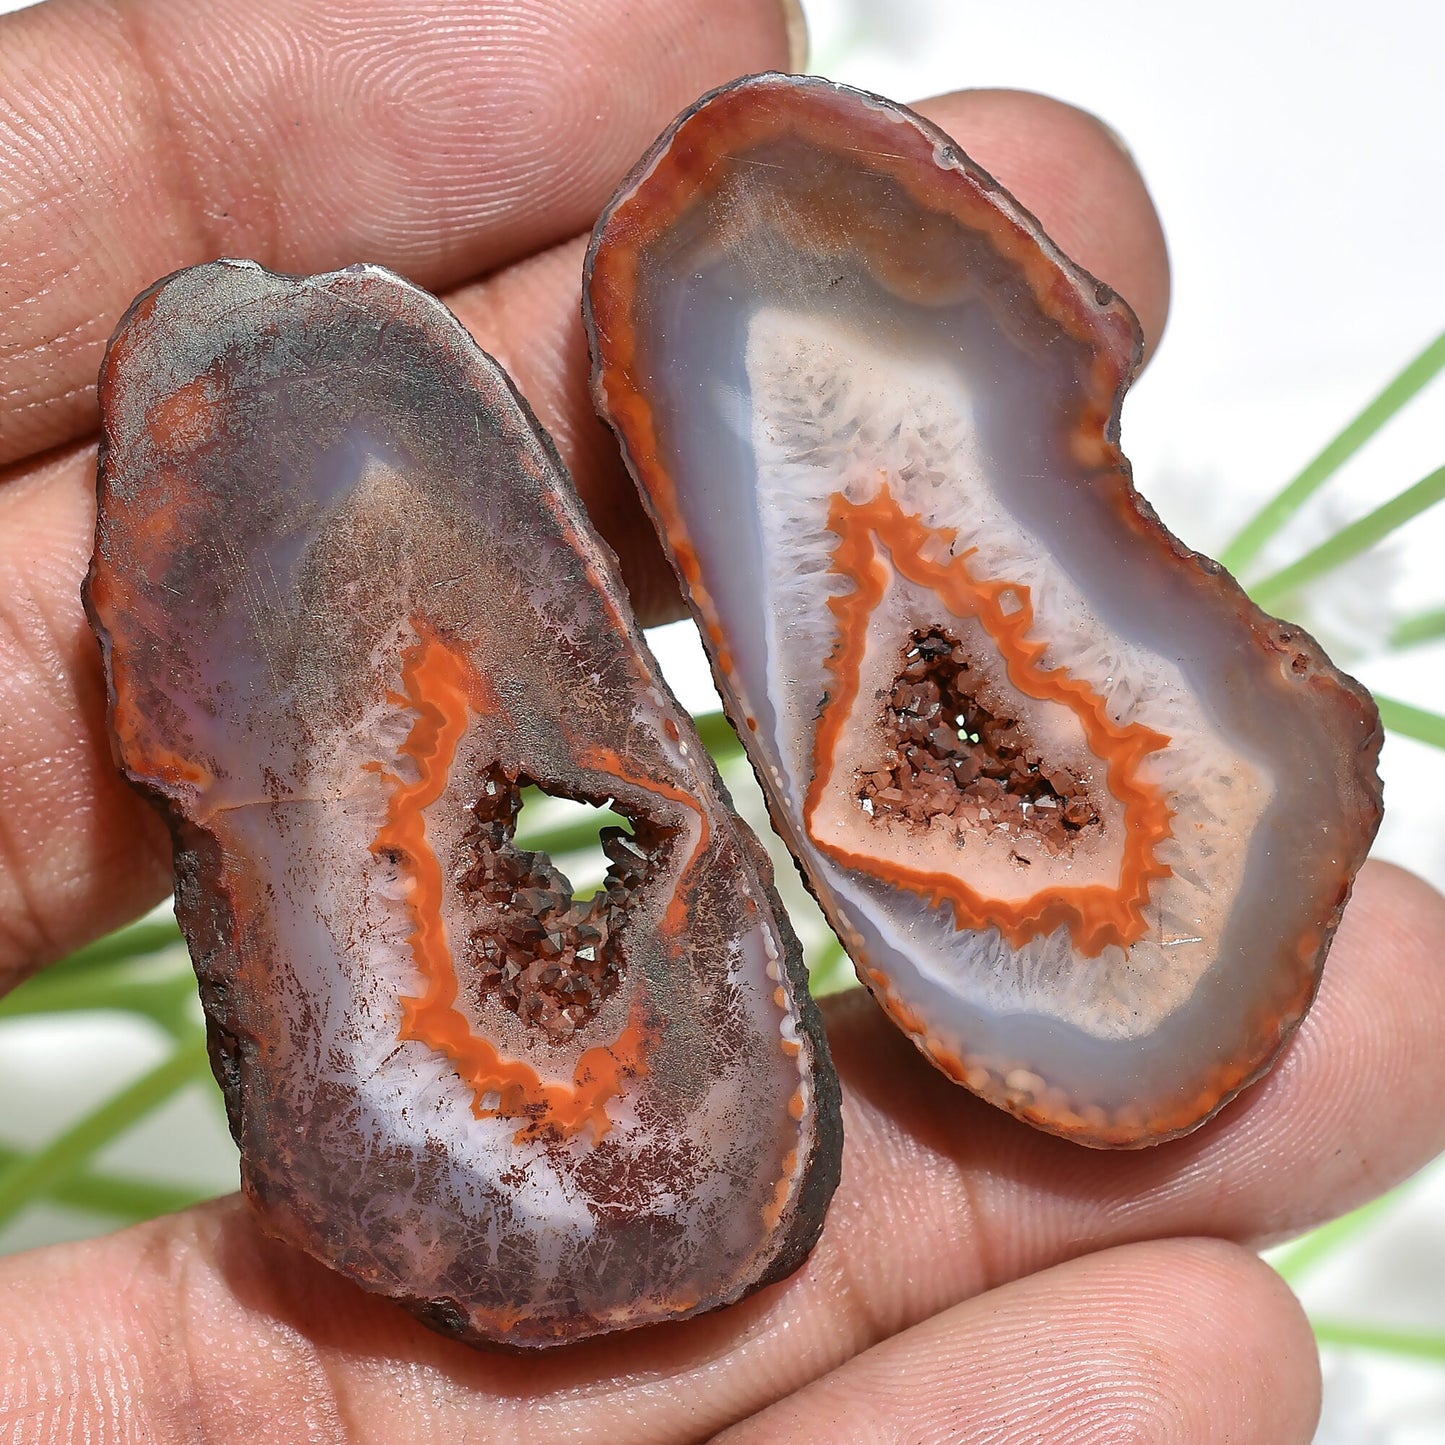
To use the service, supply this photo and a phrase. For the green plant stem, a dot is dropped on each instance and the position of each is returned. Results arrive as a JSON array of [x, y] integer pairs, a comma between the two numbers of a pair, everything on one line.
[[1276, 512], [1423, 627], [826, 972], [128, 1199], [1413, 1344], [567, 838], [32, 1175], [718, 736], [136, 941], [1352, 540], [1411, 721], [1300, 1258], [158, 998]]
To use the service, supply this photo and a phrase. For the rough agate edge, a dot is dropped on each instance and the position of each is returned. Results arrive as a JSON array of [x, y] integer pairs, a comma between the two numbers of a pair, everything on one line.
[[348, 604], [1084, 817]]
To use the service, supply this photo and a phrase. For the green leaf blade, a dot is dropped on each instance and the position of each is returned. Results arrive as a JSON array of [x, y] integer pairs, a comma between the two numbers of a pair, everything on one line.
[[1275, 513], [29, 1177], [1350, 541], [1411, 721]]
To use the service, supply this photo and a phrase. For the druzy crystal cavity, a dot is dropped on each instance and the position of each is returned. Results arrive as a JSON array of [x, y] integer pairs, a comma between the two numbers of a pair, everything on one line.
[[350, 607], [1084, 817]]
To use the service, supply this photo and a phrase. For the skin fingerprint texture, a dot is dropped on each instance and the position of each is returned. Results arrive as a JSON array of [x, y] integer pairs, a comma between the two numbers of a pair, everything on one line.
[[350, 607], [1084, 817]]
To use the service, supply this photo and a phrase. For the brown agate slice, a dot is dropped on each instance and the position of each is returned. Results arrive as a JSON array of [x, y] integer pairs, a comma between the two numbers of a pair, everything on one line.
[[1084, 817], [349, 604]]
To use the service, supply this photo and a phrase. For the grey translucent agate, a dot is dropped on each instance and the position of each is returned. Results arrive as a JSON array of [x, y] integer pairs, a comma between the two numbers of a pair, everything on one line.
[[783, 363], [300, 474]]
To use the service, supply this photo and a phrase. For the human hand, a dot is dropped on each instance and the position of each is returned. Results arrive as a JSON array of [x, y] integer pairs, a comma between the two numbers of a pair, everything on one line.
[[975, 1279]]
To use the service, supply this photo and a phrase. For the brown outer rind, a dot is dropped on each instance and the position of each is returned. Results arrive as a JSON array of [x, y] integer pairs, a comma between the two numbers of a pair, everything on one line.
[[208, 915], [937, 174]]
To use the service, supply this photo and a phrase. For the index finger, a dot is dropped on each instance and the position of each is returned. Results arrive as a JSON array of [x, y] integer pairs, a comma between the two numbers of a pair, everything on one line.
[[440, 139]]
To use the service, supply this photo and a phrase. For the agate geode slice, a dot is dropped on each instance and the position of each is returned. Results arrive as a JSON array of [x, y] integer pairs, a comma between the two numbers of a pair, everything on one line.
[[1084, 817], [349, 605]]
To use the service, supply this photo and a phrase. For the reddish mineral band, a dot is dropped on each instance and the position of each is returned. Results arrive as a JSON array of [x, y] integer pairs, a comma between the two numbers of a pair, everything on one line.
[[1083, 816], [350, 607], [438, 683], [1096, 916]]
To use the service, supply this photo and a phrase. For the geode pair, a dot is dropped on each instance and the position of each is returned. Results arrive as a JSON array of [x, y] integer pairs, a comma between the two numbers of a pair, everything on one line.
[[1084, 818]]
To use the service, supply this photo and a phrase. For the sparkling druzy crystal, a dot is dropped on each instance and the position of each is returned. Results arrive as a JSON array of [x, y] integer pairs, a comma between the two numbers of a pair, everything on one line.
[[1084, 817], [349, 604]]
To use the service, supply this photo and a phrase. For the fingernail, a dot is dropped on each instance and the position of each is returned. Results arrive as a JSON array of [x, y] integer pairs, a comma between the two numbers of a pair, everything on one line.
[[795, 23]]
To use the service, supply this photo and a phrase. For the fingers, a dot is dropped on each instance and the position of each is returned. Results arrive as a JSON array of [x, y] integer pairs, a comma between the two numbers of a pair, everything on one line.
[[95, 860], [80, 853], [942, 1199], [441, 139], [1074, 174], [203, 1323], [1177, 1342]]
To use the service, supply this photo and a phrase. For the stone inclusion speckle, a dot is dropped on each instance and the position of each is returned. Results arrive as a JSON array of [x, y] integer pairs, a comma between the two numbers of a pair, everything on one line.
[[349, 606], [949, 758], [1094, 867]]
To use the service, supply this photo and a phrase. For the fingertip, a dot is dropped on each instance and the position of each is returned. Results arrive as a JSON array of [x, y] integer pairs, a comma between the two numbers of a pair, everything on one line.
[[795, 25], [80, 853], [1246, 1365], [1409, 906], [1196, 1338], [1351, 1103], [1380, 1014], [1171, 1341], [1076, 175]]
